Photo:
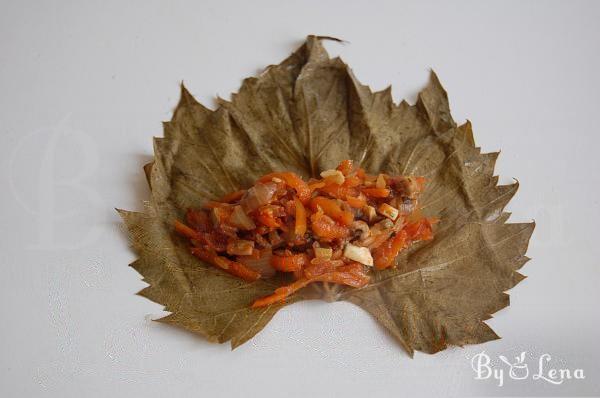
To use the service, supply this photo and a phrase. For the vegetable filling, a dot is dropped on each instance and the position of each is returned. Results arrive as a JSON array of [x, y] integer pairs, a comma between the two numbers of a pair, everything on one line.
[[336, 229]]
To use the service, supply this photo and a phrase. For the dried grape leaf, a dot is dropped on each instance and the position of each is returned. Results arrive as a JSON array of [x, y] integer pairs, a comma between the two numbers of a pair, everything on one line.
[[305, 115]]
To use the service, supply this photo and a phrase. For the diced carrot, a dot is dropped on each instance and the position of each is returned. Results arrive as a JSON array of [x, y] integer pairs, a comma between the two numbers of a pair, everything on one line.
[[289, 263], [376, 192]]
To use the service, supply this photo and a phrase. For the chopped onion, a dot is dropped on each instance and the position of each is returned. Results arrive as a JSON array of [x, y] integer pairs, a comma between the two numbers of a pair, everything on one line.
[[275, 239], [380, 183], [380, 232], [259, 195], [370, 212], [335, 176], [363, 227], [218, 215], [359, 254], [240, 219], [323, 252], [382, 225], [262, 265], [240, 247]]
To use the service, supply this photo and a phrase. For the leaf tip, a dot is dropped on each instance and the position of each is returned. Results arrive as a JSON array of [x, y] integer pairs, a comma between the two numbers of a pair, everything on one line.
[[122, 213], [323, 38]]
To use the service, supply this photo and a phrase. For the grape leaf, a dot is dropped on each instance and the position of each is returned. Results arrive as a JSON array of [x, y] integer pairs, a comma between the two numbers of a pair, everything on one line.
[[305, 115]]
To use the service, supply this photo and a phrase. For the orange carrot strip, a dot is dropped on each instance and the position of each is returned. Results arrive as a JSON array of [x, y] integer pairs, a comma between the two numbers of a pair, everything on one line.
[[300, 223], [320, 266], [327, 229], [281, 293], [343, 278], [267, 218], [332, 209], [232, 197], [339, 191], [186, 231], [289, 263], [376, 192], [212, 204], [232, 267]]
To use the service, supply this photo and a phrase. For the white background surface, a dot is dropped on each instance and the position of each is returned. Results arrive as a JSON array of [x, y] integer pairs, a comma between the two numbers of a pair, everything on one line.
[[83, 88]]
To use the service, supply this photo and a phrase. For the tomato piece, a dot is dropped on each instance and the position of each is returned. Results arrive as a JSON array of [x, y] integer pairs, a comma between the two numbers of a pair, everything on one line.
[[266, 217], [294, 181], [352, 267], [385, 254], [352, 181], [325, 228], [198, 219], [339, 191], [420, 230], [316, 185], [320, 266], [356, 202], [346, 167]]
